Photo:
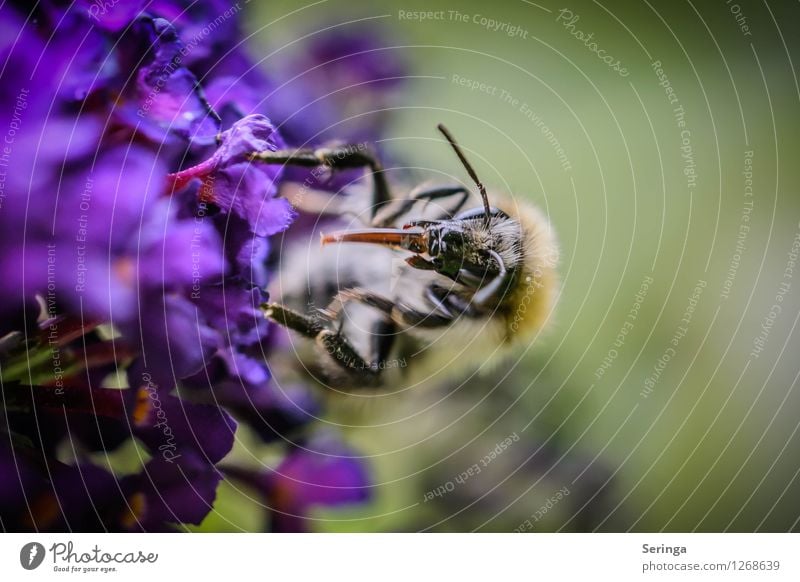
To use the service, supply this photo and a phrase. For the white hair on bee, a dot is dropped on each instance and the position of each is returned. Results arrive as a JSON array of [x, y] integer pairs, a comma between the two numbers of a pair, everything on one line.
[[506, 238], [503, 235]]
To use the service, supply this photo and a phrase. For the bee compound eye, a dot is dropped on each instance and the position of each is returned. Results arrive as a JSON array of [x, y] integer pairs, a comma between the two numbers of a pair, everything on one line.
[[434, 245]]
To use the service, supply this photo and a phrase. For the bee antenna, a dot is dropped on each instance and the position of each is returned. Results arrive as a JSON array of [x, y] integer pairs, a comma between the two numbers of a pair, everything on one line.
[[470, 170]]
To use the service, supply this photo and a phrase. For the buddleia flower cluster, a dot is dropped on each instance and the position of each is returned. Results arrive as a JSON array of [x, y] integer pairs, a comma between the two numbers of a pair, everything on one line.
[[136, 238]]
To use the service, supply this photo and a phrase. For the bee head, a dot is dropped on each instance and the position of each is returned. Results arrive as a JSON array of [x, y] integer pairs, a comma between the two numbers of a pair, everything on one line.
[[472, 245], [451, 247], [471, 242]]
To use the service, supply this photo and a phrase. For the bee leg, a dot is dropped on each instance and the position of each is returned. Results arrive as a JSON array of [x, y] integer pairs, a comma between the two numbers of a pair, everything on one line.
[[383, 335], [205, 104], [333, 342], [337, 305], [399, 313], [306, 325], [456, 305], [490, 291], [463, 277], [453, 303], [419, 263], [414, 318], [344, 355], [335, 157], [437, 296], [486, 295], [418, 194]]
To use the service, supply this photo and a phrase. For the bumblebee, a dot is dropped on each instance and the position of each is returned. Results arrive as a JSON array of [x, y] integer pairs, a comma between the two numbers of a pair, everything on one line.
[[439, 281]]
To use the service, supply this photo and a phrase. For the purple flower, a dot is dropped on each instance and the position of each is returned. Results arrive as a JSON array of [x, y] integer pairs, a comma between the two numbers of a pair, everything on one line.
[[84, 497], [165, 493], [177, 485], [21, 481], [167, 425], [271, 411], [211, 33], [246, 250], [234, 183], [111, 17], [135, 233], [320, 472], [165, 99], [341, 86], [175, 427], [236, 373]]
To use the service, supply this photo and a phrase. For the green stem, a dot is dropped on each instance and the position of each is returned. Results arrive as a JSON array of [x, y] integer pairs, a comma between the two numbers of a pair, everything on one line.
[[22, 366]]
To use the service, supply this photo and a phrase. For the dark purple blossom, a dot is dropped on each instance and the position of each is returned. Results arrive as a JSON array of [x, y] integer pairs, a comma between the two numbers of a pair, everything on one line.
[[164, 99], [211, 32], [341, 86], [327, 475], [177, 486], [273, 412], [171, 492], [320, 472], [167, 425]]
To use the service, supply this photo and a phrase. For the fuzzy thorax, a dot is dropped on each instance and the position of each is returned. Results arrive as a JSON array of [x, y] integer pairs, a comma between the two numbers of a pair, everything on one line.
[[529, 303]]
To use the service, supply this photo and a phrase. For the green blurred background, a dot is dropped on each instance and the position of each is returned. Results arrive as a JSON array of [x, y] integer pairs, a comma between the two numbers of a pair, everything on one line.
[[713, 445]]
